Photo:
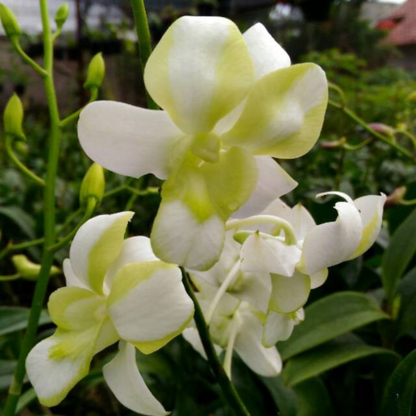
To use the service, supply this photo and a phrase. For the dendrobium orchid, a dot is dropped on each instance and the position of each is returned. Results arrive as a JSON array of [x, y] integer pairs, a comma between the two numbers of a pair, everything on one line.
[[269, 264], [230, 103], [116, 290]]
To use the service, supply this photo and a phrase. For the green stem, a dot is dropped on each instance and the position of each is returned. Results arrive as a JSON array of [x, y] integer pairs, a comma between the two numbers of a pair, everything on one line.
[[24, 169], [227, 387], [144, 40], [347, 111], [26, 58], [74, 116], [49, 218], [87, 215]]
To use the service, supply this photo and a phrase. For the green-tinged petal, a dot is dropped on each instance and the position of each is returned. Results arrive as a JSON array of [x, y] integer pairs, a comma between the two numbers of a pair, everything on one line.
[[263, 361], [371, 212], [129, 140], [96, 245], [318, 278], [149, 305], [134, 250], [267, 55], [279, 326], [199, 71], [70, 279], [107, 336], [269, 255], [196, 202], [289, 293], [273, 182], [332, 243], [301, 221], [57, 363], [284, 113], [76, 309], [127, 384]]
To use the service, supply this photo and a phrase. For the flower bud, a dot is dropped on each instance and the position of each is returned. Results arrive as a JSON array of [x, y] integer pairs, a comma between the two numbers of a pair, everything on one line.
[[13, 118], [61, 15], [96, 72], [93, 184], [9, 22], [397, 196], [382, 128], [29, 270]]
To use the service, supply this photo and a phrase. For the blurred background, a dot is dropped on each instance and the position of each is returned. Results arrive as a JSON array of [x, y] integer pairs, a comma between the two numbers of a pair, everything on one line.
[[368, 50]]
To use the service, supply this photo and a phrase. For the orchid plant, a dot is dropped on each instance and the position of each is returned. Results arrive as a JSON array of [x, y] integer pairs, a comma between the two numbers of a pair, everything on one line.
[[228, 264]]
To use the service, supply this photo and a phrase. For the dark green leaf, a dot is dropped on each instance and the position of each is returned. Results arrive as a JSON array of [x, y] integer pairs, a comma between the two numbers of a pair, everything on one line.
[[406, 320], [284, 397], [333, 354], [14, 319], [23, 220], [400, 389], [25, 399], [398, 255], [329, 318], [6, 373]]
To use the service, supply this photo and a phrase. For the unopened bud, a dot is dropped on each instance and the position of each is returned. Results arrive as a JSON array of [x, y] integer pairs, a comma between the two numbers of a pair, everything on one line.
[[9, 22], [29, 270], [96, 72], [397, 196], [13, 117], [382, 128], [93, 184], [61, 15], [335, 144]]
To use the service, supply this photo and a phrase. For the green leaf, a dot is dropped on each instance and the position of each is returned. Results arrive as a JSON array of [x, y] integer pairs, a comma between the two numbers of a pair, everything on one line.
[[25, 399], [398, 255], [22, 219], [14, 319], [284, 397], [6, 373], [400, 389], [333, 354], [406, 320], [313, 398], [329, 318]]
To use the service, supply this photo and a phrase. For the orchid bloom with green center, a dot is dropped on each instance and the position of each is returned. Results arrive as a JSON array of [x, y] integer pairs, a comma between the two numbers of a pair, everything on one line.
[[117, 290], [230, 103]]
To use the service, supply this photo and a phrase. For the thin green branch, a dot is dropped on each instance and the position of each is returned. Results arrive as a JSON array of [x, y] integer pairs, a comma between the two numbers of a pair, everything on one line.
[[347, 111], [74, 116], [26, 58], [143, 192], [227, 387], [144, 40], [24, 169]]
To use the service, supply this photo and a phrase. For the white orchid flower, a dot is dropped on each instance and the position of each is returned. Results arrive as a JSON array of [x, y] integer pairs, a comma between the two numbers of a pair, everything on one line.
[[235, 325], [230, 102], [116, 290]]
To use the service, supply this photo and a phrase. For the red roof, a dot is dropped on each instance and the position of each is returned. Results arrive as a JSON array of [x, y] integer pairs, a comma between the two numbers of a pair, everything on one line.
[[402, 23]]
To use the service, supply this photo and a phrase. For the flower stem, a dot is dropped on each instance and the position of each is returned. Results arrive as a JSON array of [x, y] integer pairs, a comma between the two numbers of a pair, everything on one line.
[[227, 387], [49, 218], [26, 58], [144, 40]]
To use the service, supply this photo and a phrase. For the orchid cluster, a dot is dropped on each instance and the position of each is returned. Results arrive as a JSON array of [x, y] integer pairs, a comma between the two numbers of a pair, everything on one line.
[[231, 103]]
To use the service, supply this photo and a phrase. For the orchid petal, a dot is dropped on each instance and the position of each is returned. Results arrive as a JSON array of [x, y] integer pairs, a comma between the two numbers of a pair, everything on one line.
[[129, 140], [199, 71], [278, 327], [70, 279], [196, 202], [149, 305], [301, 221], [289, 293], [371, 212], [267, 55], [57, 363], [332, 243], [191, 335], [269, 255], [284, 113], [263, 361], [318, 278], [125, 381], [96, 245], [272, 183]]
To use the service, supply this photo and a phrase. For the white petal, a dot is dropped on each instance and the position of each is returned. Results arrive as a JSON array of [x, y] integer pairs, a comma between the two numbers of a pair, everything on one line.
[[278, 327], [70, 279], [332, 243], [371, 212], [95, 246], [192, 336], [269, 255], [302, 221], [263, 361], [289, 293], [266, 53], [53, 377], [133, 250], [129, 140], [200, 71], [272, 183], [127, 384], [149, 305], [318, 278], [179, 237]]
